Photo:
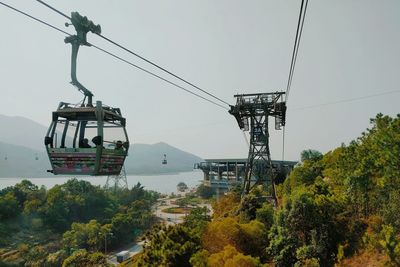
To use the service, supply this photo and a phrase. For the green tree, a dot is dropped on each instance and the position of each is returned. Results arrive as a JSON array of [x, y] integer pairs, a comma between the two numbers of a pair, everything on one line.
[[182, 186], [141, 213], [197, 219], [182, 202], [81, 258], [308, 223], [391, 245], [249, 238], [227, 205], [204, 191], [248, 207], [229, 256], [169, 246], [126, 196], [57, 258], [303, 175], [390, 212], [8, 206], [122, 227], [310, 154], [56, 211], [89, 236], [369, 166], [265, 214], [200, 258], [282, 246], [36, 257], [20, 191], [75, 201]]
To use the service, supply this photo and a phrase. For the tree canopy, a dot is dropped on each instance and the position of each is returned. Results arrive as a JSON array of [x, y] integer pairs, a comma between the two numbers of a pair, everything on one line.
[[332, 207]]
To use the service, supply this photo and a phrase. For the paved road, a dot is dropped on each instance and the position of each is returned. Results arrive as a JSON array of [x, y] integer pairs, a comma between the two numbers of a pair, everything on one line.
[[168, 218], [135, 249], [171, 218]]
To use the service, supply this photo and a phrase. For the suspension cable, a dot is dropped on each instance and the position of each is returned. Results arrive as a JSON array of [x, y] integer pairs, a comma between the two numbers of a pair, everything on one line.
[[296, 46], [115, 56], [299, 31], [346, 100], [139, 56], [34, 18], [157, 76]]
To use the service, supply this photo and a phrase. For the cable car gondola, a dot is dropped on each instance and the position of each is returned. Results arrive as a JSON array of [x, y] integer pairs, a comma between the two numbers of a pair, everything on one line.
[[73, 127], [165, 160]]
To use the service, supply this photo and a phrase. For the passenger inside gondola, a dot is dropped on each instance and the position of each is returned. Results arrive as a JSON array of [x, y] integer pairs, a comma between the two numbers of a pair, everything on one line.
[[84, 143], [118, 145]]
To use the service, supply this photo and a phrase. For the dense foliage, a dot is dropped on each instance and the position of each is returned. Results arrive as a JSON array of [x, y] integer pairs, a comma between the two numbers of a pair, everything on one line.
[[205, 191], [332, 209], [174, 245], [72, 222]]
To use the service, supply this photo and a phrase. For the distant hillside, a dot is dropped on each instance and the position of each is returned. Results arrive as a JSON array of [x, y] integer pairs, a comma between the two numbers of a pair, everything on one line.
[[22, 131], [21, 149], [19, 161], [146, 159]]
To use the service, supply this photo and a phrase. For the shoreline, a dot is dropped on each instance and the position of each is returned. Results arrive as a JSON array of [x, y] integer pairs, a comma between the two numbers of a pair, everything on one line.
[[162, 183], [77, 176]]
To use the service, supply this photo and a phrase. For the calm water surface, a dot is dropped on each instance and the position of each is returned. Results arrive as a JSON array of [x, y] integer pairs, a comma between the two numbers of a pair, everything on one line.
[[165, 183]]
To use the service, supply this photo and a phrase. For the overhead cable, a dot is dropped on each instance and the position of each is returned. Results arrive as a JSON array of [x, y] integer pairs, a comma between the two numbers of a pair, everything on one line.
[[299, 31], [158, 76], [115, 56], [34, 18], [163, 69], [139, 56], [296, 46], [55, 10], [348, 100]]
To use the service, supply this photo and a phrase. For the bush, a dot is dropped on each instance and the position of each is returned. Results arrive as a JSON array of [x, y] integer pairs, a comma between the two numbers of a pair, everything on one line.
[[205, 191]]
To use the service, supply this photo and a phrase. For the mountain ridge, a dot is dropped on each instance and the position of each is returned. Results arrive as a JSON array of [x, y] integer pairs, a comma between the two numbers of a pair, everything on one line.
[[143, 159], [22, 149], [22, 131]]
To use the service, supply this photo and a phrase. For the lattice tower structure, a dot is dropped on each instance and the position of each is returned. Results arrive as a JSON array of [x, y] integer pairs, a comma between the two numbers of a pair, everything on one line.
[[119, 181], [252, 112]]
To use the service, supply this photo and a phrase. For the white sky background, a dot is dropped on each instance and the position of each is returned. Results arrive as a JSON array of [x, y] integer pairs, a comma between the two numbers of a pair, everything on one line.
[[348, 49]]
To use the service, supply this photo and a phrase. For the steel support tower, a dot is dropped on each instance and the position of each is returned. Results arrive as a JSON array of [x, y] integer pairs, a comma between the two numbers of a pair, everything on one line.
[[256, 109], [117, 181]]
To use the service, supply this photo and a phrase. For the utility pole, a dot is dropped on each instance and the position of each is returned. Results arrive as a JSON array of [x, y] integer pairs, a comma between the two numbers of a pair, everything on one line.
[[257, 108]]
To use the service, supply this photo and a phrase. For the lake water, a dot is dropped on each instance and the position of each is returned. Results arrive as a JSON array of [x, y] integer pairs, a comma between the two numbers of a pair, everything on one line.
[[165, 183]]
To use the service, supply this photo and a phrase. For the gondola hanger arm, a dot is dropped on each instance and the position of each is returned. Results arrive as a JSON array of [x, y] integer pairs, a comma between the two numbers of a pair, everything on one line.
[[82, 26]]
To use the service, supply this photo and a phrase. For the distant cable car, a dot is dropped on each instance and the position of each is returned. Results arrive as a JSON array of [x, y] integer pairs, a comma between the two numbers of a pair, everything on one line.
[[165, 159], [36, 157], [5, 158], [76, 124]]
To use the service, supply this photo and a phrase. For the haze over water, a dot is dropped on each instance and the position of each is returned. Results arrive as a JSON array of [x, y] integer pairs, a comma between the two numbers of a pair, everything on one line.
[[161, 183]]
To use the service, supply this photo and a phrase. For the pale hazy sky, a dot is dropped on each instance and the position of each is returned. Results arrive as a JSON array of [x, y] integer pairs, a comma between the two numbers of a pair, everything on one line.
[[349, 49]]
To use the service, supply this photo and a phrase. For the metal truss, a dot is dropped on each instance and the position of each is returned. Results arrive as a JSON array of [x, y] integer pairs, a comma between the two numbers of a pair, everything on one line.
[[117, 181], [252, 112]]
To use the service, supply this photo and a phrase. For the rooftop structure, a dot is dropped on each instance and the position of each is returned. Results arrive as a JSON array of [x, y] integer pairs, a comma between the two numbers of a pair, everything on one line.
[[224, 174]]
